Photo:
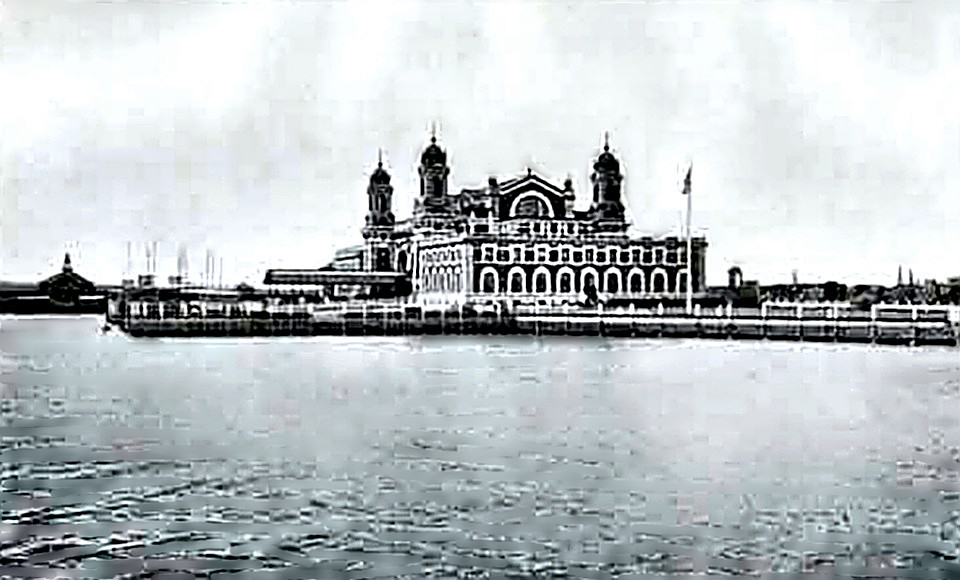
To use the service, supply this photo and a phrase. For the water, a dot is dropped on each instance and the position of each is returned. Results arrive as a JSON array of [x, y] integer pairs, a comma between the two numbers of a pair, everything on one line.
[[473, 457]]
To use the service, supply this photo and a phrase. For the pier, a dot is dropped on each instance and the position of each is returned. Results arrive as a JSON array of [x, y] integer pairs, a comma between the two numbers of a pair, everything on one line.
[[882, 324]]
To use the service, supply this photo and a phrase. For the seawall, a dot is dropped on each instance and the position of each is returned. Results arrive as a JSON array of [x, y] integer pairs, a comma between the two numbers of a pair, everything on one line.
[[865, 330]]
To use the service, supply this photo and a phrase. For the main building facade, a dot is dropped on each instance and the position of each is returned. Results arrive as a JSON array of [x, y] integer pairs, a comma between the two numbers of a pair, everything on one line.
[[518, 241], [521, 240]]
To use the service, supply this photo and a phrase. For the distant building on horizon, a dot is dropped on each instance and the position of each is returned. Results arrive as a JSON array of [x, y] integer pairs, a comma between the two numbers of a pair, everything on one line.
[[65, 292]]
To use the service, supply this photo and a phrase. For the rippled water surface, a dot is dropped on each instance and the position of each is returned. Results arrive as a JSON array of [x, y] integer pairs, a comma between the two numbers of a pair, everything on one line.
[[475, 457]]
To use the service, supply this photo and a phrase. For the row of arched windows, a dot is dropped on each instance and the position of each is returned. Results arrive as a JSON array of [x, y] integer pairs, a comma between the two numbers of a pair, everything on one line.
[[566, 280]]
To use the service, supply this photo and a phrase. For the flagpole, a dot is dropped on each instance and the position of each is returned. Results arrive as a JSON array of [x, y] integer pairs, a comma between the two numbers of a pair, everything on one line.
[[689, 188]]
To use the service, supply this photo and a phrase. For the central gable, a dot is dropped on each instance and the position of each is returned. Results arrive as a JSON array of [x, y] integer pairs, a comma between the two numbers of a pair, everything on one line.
[[531, 196]]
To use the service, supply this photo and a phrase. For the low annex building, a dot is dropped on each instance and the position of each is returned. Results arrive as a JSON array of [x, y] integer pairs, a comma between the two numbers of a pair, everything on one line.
[[518, 240]]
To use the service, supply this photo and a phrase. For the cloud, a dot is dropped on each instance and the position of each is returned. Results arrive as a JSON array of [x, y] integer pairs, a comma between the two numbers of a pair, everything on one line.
[[813, 128]]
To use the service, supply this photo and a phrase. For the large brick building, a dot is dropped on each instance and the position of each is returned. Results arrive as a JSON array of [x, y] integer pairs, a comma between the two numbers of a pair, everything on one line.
[[521, 240]]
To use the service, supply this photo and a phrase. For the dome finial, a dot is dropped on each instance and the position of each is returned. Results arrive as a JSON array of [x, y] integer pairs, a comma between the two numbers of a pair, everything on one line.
[[379, 157]]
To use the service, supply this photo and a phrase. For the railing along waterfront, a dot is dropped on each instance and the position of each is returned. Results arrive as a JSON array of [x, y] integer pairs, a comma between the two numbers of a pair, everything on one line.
[[896, 324], [843, 322]]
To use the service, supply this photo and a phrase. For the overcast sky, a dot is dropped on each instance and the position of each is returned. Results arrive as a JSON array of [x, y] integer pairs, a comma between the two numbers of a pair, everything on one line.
[[825, 137]]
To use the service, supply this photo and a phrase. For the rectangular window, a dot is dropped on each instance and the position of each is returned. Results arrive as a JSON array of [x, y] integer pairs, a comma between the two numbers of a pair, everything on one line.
[[554, 256], [488, 253], [624, 256], [541, 254], [577, 257], [683, 255], [503, 255], [658, 256], [672, 257], [637, 256], [588, 255], [647, 256], [553, 228], [565, 255], [517, 254], [528, 255], [601, 257]]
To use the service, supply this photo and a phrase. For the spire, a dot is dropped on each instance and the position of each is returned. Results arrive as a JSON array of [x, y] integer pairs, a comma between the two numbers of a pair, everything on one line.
[[606, 141], [67, 267], [900, 275], [380, 174], [433, 132], [911, 276]]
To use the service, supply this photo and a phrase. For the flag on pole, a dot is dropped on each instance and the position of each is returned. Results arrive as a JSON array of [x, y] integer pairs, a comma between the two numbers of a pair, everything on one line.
[[687, 181]]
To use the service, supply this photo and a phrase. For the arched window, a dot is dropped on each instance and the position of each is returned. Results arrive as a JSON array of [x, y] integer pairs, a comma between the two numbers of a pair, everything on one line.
[[588, 279], [565, 280], [541, 280], [613, 281], [517, 284], [531, 204], [531, 207], [489, 280], [635, 279], [659, 280]]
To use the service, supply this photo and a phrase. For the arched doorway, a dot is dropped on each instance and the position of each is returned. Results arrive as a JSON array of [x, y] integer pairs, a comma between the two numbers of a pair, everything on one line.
[[613, 281], [488, 280], [635, 280], [659, 281], [516, 282], [541, 280], [565, 281], [588, 279]]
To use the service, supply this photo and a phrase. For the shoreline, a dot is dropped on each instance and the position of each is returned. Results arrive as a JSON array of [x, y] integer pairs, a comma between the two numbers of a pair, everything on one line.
[[866, 331]]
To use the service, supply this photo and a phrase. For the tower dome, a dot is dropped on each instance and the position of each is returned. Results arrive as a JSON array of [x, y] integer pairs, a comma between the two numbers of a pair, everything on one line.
[[433, 172], [380, 175], [433, 154], [380, 194], [607, 182], [606, 161]]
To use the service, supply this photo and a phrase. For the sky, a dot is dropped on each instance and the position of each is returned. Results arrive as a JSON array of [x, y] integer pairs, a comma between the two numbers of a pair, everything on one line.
[[824, 136]]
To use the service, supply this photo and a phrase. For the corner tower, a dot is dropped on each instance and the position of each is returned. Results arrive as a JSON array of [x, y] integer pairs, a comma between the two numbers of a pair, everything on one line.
[[433, 172], [607, 182], [379, 250], [380, 197]]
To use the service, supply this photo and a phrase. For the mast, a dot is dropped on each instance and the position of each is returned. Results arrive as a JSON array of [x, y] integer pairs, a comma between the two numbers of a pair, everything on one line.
[[688, 190]]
